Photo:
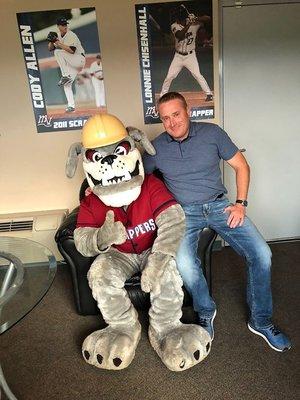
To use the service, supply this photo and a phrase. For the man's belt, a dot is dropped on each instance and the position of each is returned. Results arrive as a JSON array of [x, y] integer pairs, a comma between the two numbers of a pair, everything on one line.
[[184, 54]]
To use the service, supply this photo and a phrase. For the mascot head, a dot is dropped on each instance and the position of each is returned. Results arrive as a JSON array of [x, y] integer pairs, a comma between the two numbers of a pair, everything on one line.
[[111, 161]]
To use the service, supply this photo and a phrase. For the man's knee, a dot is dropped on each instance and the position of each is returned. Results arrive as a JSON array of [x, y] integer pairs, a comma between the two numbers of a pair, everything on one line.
[[187, 262], [191, 273], [262, 255]]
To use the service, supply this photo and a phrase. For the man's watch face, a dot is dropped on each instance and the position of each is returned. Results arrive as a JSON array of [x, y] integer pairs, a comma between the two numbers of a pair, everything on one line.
[[243, 202]]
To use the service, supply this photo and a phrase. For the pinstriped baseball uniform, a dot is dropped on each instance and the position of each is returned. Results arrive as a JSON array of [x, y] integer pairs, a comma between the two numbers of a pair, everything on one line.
[[96, 72], [70, 64], [185, 56]]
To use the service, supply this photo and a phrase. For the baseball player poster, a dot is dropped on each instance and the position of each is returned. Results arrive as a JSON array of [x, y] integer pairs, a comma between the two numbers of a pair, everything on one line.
[[63, 62], [176, 54]]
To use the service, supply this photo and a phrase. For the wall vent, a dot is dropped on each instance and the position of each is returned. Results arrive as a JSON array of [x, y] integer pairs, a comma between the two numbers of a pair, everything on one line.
[[39, 226], [15, 225]]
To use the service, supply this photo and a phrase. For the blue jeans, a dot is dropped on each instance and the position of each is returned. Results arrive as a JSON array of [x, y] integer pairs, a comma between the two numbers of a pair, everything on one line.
[[245, 240]]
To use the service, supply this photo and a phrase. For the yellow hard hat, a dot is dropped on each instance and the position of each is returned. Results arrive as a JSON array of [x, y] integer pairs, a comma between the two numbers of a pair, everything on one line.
[[102, 130]]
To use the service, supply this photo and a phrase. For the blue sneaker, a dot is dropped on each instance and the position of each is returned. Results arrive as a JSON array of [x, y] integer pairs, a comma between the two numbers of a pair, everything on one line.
[[273, 336], [207, 323]]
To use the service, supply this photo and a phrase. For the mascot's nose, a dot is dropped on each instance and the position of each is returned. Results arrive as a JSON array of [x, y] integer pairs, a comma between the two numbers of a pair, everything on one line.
[[108, 159]]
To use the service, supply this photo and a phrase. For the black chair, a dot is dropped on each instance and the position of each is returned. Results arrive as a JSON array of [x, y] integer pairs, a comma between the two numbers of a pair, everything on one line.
[[79, 266]]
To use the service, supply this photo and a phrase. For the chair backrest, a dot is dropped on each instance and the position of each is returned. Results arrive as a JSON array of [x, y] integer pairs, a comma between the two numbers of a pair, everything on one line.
[[83, 188]]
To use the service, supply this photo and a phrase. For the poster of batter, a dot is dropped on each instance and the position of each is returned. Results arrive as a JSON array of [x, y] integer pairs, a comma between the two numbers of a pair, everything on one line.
[[63, 62], [176, 54]]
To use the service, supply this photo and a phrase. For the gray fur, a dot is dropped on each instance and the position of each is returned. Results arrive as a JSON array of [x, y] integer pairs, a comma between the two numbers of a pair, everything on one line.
[[177, 345], [72, 160], [92, 241], [85, 240], [142, 138], [119, 340], [111, 232], [153, 271], [171, 228], [183, 347]]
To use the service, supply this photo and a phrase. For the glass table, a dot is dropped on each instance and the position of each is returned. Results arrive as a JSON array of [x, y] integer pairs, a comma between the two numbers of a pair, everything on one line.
[[27, 270]]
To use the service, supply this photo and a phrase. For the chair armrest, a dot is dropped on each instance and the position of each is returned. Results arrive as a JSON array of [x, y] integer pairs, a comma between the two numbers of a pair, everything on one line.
[[77, 263], [68, 226]]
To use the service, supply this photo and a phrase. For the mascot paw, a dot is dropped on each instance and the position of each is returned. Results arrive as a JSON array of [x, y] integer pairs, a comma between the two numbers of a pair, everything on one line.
[[112, 348], [182, 347]]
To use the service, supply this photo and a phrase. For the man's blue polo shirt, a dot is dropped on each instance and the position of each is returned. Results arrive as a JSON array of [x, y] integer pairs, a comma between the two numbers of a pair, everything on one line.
[[191, 168]]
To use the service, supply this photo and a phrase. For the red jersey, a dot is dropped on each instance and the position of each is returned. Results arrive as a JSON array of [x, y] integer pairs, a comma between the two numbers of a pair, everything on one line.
[[138, 219]]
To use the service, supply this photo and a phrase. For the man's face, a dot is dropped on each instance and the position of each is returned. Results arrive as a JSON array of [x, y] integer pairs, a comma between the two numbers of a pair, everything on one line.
[[62, 29], [175, 118]]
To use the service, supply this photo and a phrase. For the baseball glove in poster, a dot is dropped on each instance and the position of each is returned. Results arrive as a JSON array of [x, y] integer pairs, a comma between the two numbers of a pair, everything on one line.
[[176, 54], [64, 66]]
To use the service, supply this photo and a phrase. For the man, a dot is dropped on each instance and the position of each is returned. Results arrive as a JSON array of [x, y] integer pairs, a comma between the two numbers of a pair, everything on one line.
[[185, 30], [96, 72], [188, 155], [83, 86], [70, 57]]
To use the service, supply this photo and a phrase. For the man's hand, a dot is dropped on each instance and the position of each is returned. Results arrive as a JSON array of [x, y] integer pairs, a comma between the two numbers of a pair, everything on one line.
[[236, 216], [52, 37], [88, 191], [59, 44], [191, 18]]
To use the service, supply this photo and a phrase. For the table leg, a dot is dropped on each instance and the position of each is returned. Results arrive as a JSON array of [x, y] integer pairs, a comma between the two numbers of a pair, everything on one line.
[[7, 279], [4, 385]]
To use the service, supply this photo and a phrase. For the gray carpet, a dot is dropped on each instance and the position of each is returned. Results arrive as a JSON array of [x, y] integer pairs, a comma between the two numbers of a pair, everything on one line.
[[41, 355]]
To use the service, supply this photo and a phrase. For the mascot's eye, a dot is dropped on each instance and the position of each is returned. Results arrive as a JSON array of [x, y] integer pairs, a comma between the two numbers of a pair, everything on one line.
[[123, 148], [93, 155]]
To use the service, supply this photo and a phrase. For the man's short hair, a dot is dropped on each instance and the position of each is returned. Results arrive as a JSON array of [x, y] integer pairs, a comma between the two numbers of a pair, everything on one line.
[[171, 96]]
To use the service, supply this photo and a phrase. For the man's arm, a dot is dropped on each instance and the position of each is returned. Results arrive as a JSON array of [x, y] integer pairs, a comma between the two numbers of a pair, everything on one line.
[[191, 20], [242, 170], [69, 49], [180, 34], [149, 163], [52, 46]]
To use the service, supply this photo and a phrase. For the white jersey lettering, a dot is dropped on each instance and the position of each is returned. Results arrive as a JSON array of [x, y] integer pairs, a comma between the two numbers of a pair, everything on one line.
[[141, 229]]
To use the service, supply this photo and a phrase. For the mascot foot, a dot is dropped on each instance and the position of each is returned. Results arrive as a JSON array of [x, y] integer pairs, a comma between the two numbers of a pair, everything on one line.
[[182, 347], [112, 348]]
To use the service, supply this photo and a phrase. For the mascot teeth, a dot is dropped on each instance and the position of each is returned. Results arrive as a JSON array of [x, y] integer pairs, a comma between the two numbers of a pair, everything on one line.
[[106, 181], [116, 179]]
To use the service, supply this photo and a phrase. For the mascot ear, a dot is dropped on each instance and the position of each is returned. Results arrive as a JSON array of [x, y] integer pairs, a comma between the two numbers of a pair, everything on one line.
[[141, 137], [72, 160]]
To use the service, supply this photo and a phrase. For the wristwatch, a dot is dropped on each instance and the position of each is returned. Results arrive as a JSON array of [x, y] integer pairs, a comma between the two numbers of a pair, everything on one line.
[[243, 202]]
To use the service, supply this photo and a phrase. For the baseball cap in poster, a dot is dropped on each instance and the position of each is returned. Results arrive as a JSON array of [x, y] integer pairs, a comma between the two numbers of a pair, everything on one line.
[[62, 21]]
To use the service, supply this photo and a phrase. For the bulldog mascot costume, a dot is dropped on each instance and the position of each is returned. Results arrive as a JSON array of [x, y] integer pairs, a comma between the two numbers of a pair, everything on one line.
[[131, 223]]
